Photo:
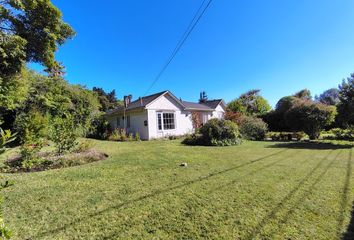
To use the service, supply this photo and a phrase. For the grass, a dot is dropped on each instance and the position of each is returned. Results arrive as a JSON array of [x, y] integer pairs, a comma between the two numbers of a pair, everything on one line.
[[259, 190]]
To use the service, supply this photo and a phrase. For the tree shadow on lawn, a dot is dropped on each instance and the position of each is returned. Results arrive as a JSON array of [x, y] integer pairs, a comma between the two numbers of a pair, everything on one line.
[[272, 214], [312, 145], [349, 234], [150, 195]]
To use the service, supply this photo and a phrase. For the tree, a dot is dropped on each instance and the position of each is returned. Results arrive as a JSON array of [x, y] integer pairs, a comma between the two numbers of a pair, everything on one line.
[[30, 31], [310, 117], [303, 94], [108, 100], [329, 97], [203, 97], [250, 103], [346, 105]]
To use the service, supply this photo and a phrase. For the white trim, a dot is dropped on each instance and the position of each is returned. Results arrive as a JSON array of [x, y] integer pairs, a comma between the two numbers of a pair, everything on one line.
[[171, 95], [162, 124]]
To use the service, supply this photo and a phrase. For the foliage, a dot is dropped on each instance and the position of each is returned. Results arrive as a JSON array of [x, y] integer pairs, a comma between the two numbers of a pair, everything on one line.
[[216, 132], [5, 138], [63, 133], [34, 29], [220, 190], [339, 134], [253, 128], [329, 97], [196, 120], [99, 128], [310, 117], [250, 103], [346, 105], [303, 94], [12, 53], [32, 131], [235, 117], [286, 136], [122, 135], [107, 100]]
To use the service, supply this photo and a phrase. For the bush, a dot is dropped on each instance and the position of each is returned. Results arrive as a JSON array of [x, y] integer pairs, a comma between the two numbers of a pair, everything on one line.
[[216, 133], [122, 135], [99, 128], [286, 136], [310, 117], [32, 128], [62, 133], [253, 128]]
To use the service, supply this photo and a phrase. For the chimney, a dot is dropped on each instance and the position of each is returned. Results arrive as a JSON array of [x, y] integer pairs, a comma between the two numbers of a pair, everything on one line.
[[127, 100]]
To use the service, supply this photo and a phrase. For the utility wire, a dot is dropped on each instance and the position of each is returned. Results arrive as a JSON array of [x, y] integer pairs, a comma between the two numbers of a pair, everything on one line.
[[183, 39]]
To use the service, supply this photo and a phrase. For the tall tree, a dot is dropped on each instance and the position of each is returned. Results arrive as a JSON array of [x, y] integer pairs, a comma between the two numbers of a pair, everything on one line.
[[346, 105], [329, 97], [30, 31], [250, 103], [108, 100], [303, 94]]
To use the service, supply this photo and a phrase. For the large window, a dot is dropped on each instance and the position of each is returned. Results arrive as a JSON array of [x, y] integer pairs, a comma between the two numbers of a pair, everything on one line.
[[166, 121]]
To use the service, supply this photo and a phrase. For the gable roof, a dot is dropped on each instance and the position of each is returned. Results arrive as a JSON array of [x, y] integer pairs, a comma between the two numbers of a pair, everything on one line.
[[196, 106], [142, 102]]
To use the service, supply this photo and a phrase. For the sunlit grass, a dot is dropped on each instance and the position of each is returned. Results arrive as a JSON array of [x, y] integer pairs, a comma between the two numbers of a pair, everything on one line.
[[259, 190]]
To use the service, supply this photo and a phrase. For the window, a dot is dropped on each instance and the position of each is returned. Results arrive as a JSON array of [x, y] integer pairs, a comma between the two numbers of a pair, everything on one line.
[[159, 121], [118, 122], [128, 121], [166, 121]]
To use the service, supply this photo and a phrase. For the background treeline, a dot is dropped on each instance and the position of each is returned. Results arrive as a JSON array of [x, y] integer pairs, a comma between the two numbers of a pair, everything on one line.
[[300, 112], [28, 93]]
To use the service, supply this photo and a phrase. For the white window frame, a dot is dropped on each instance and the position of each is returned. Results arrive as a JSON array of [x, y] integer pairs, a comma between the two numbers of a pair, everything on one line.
[[161, 113]]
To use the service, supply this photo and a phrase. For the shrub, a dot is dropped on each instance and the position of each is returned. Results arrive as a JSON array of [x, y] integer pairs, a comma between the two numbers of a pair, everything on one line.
[[131, 137], [5, 138], [253, 128], [62, 133], [99, 128], [137, 136], [32, 128], [216, 132], [286, 136], [114, 135], [310, 117]]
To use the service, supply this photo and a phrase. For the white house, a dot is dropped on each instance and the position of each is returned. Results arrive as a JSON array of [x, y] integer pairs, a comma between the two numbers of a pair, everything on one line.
[[162, 114]]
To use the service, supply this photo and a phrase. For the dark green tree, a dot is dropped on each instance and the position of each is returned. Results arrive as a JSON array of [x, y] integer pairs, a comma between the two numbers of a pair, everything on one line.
[[108, 100], [30, 31], [346, 105], [329, 97], [310, 117]]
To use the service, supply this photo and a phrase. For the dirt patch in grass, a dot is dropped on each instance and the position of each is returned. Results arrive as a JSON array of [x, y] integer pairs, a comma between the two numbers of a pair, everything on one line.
[[46, 160]]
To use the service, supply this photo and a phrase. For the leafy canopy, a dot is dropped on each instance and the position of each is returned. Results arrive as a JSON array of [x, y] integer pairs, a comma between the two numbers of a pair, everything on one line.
[[30, 31], [250, 103], [346, 105]]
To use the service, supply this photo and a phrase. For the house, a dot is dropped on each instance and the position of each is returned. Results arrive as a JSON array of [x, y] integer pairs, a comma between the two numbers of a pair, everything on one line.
[[162, 114]]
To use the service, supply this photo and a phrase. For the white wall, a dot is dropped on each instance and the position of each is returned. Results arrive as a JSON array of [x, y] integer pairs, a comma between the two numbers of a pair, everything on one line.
[[136, 123], [219, 112], [183, 121]]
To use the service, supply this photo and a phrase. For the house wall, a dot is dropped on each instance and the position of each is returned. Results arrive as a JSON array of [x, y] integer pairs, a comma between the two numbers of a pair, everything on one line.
[[136, 123], [218, 113], [183, 120]]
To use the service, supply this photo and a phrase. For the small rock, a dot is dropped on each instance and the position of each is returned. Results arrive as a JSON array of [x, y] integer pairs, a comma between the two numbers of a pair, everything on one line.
[[183, 165]]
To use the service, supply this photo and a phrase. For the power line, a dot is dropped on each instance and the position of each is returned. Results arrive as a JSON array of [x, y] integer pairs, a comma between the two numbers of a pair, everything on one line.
[[183, 39]]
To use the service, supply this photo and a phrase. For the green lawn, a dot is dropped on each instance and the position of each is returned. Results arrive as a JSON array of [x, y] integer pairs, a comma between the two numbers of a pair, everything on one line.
[[259, 190]]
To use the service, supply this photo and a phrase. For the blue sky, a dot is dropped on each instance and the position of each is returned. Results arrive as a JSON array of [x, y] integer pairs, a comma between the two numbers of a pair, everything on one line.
[[276, 46]]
